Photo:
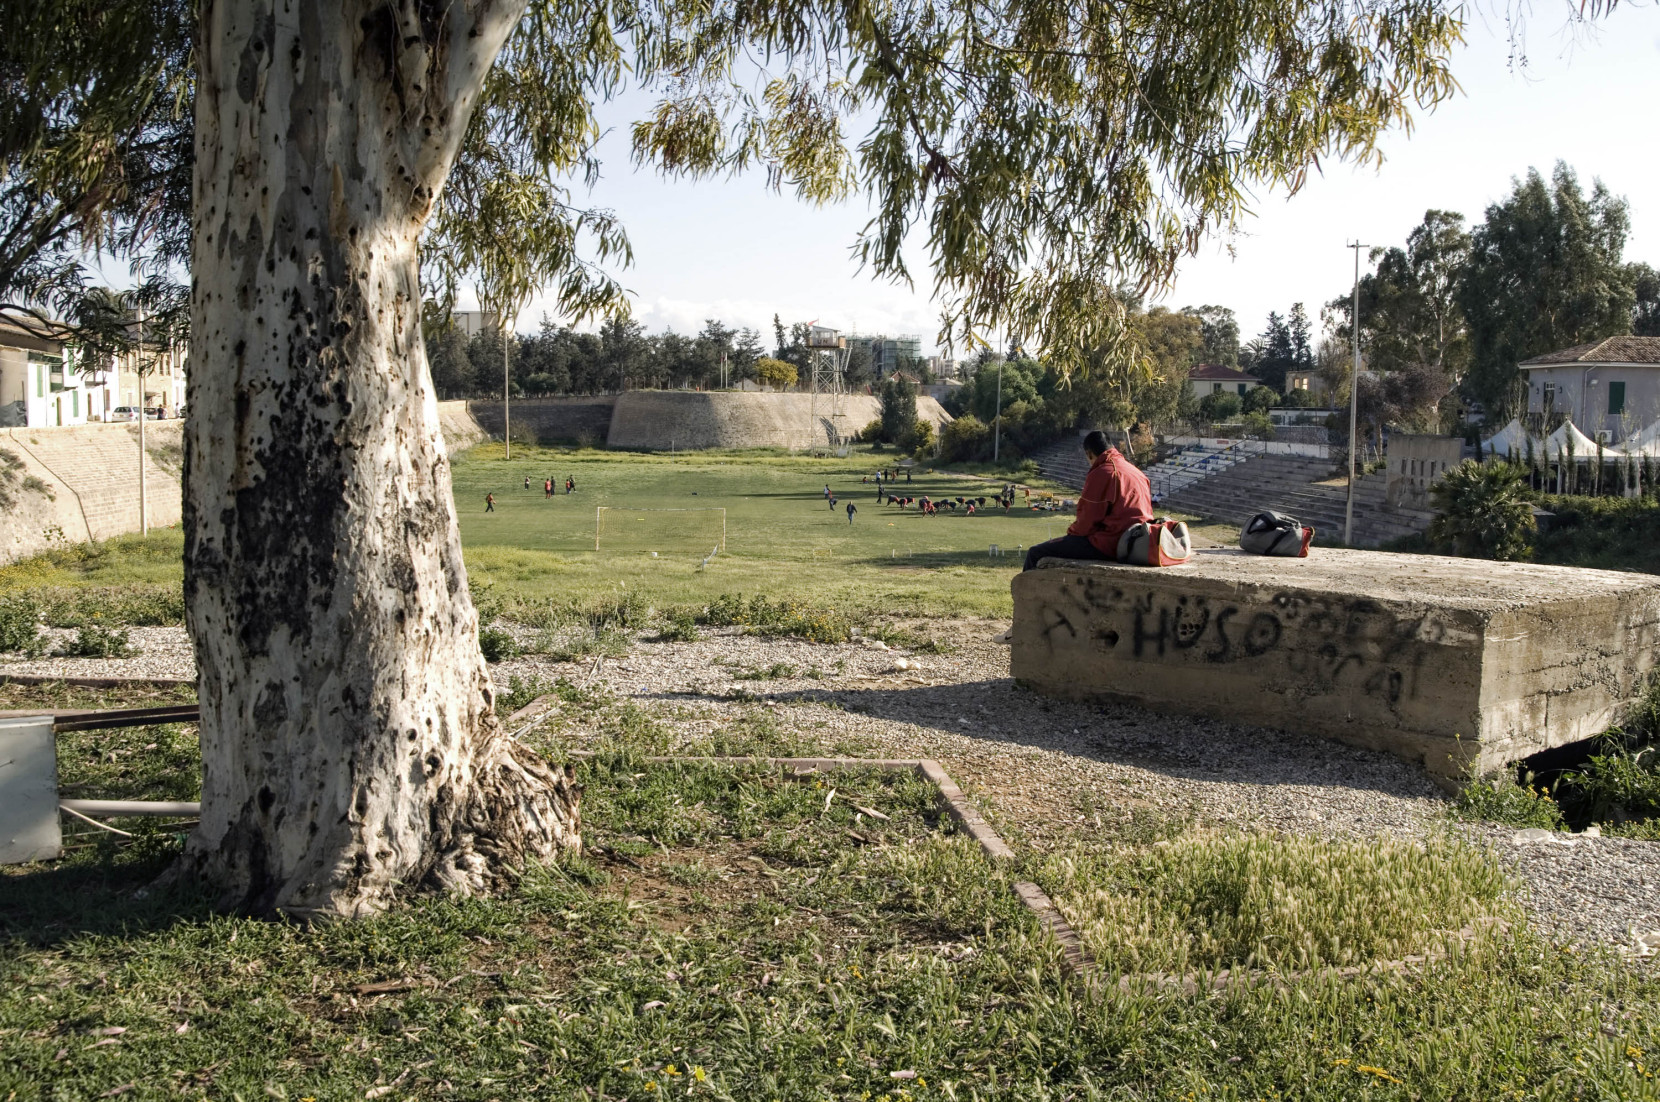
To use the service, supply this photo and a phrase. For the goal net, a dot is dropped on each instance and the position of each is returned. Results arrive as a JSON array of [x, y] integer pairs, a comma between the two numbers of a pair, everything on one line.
[[681, 533]]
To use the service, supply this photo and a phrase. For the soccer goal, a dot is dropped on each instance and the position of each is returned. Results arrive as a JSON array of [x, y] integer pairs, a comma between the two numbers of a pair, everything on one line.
[[665, 532]]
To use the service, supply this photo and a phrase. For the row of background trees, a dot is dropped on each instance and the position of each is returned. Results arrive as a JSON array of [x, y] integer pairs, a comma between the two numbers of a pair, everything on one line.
[[1446, 317], [621, 355]]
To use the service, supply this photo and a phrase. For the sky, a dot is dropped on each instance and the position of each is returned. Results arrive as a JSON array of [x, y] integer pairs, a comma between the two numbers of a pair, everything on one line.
[[733, 250]]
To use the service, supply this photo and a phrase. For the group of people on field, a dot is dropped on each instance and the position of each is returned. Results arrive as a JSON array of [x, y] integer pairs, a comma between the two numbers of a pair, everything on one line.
[[549, 488], [1116, 497]]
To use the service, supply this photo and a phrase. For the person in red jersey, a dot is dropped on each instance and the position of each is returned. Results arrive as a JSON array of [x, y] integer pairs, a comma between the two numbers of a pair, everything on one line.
[[1115, 497]]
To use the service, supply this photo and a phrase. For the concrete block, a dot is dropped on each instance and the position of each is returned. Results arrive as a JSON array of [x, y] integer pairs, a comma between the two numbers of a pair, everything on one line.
[[1448, 662]]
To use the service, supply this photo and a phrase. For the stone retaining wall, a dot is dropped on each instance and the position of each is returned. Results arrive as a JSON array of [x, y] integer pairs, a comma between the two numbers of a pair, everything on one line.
[[665, 420], [80, 483]]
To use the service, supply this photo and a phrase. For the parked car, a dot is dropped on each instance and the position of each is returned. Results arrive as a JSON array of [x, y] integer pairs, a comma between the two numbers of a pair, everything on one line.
[[124, 413], [155, 413]]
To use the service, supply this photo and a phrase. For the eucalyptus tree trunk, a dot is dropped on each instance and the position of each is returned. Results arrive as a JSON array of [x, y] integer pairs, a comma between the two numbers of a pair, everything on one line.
[[349, 742]]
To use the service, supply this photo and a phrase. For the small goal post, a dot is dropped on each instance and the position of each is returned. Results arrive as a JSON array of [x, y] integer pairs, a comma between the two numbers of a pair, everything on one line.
[[687, 530]]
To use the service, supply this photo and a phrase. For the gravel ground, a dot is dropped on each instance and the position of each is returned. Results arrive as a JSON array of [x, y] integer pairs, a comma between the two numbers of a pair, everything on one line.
[[1046, 771]]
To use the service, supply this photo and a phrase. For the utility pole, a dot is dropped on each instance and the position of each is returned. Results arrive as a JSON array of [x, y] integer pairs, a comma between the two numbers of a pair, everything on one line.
[[1354, 399], [506, 392], [997, 421], [143, 416]]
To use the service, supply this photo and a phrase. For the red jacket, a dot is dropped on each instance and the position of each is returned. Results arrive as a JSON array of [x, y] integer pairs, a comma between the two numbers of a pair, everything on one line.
[[1116, 495]]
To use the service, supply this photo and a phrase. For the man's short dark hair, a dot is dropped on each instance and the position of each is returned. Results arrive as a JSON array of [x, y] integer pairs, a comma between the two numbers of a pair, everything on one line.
[[1095, 443]]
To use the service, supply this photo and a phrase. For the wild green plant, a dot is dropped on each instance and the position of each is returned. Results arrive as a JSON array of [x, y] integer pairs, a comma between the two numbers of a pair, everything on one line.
[[779, 617], [521, 691], [498, 645], [1619, 785], [19, 624], [97, 641], [679, 626], [1501, 798], [1484, 511]]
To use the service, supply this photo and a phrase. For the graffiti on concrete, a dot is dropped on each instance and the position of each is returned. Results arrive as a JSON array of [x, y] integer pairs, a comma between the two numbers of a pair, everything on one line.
[[1339, 644]]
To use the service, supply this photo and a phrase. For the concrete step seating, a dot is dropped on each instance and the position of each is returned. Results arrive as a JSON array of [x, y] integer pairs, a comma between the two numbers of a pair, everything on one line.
[[1302, 488], [1191, 465], [1064, 463]]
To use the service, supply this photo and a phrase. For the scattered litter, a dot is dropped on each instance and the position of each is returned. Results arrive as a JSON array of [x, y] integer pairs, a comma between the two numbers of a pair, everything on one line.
[[830, 796], [906, 1074], [1539, 834], [1592, 831], [654, 1004], [901, 663]]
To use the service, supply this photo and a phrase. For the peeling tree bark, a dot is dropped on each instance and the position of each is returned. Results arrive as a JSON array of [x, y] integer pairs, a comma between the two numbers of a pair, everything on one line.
[[349, 742]]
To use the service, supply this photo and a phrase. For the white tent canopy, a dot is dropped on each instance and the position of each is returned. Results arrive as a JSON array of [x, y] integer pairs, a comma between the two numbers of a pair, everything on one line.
[[1510, 441], [1557, 444], [1645, 443]]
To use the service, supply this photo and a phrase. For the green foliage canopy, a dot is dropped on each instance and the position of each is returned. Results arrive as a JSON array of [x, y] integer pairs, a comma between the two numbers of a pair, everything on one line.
[[898, 409], [1545, 273], [1409, 309], [1051, 150], [95, 161]]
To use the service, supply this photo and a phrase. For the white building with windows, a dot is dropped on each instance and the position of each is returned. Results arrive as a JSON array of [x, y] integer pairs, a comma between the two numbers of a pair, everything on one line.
[[45, 383], [1207, 379], [1610, 389]]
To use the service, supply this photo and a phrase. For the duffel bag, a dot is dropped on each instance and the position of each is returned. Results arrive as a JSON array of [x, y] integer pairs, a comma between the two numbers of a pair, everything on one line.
[[1273, 533], [1163, 542]]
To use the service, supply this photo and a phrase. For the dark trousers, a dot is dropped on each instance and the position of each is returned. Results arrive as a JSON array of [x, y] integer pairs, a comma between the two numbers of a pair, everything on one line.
[[1066, 547]]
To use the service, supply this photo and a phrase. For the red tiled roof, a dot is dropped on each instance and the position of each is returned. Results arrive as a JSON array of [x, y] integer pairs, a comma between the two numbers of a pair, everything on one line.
[[1615, 350], [1220, 374]]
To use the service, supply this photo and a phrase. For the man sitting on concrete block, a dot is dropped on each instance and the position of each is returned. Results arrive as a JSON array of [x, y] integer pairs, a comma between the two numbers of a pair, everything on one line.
[[1115, 497]]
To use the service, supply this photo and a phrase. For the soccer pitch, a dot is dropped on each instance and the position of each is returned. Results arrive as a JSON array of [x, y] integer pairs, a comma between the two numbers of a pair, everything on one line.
[[781, 537]]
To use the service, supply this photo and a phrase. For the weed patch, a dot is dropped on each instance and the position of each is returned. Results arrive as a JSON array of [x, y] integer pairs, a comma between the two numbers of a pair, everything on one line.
[[497, 645], [521, 691], [779, 617], [1270, 901], [1501, 798], [19, 624], [97, 641], [679, 626]]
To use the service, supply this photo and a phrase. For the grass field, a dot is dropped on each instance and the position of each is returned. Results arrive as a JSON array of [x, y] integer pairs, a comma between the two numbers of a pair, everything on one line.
[[780, 536], [736, 932]]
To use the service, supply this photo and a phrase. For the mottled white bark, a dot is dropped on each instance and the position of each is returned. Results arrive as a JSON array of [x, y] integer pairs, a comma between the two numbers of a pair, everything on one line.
[[350, 747]]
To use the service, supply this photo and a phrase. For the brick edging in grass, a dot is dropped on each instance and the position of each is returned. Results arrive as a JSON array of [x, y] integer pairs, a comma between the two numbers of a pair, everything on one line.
[[956, 805], [94, 682]]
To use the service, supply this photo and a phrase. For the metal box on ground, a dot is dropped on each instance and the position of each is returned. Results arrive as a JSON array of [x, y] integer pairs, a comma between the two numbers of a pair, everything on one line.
[[29, 828]]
